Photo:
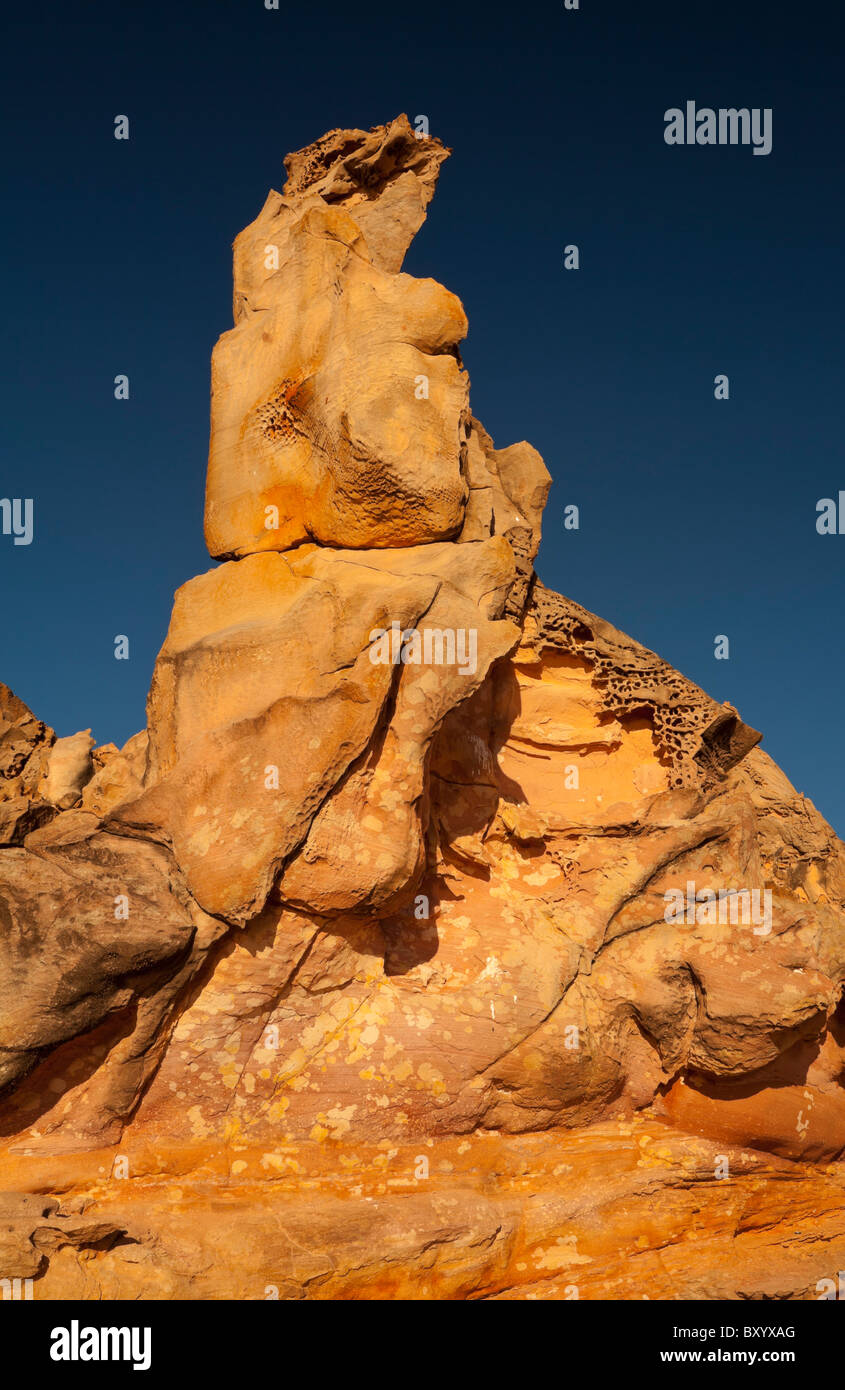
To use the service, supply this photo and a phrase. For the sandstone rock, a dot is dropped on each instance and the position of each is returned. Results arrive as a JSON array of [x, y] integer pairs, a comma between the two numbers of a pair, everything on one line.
[[338, 400], [119, 776], [508, 491], [19, 815], [405, 1004], [614, 1212], [387, 175], [25, 751], [69, 767], [24, 747], [103, 754], [280, 639], [32, 1229], [99, 933]]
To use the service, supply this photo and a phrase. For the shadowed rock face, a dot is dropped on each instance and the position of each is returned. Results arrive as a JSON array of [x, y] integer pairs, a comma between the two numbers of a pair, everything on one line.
[[415, 860]]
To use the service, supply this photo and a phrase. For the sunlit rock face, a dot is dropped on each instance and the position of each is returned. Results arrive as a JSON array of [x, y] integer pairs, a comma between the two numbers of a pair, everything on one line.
[[425, 891], [339, 405]]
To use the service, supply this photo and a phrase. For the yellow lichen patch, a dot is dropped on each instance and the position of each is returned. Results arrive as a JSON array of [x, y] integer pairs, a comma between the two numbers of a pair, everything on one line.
[[339, 1120], [563, 1253], [431, 1079]]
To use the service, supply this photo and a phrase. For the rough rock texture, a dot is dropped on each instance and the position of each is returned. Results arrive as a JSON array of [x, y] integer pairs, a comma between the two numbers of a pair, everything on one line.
[[353, 974], [239, 783]]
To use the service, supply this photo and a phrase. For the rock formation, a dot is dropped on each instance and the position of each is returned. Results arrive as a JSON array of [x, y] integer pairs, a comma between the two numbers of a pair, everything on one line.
[[435, 939]]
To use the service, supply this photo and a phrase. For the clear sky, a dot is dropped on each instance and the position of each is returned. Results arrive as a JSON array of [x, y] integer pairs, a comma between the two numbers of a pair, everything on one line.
[[697, 516]]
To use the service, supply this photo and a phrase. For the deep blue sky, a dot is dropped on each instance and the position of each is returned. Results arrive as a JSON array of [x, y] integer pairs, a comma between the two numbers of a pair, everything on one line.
[[697, 516]]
